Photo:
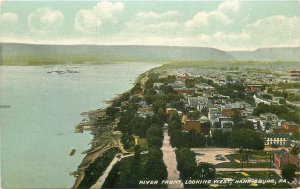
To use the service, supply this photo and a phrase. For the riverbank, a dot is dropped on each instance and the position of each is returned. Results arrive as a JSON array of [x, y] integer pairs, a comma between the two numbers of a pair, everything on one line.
[[101, 127]]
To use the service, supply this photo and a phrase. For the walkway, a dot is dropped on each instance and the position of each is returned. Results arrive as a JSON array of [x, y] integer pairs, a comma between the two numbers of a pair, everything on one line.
[[105, 174], [170, 161]]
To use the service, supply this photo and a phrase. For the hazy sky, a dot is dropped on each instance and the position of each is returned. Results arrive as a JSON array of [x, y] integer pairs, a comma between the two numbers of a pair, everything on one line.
[[229, 24]]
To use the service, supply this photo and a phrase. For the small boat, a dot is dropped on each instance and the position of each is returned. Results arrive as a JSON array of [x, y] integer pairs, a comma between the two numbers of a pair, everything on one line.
[[72, 152], [4, 106]]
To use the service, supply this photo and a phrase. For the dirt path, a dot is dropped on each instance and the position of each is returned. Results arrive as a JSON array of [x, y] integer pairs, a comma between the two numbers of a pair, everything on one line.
[[170, 161], [105, 174]]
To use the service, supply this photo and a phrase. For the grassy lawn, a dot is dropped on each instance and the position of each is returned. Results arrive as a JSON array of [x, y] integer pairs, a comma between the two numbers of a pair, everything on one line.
[[142, 142], [259, 159], [259, 156], [246, 165], [264, 175], [96, 169], [128, 172]]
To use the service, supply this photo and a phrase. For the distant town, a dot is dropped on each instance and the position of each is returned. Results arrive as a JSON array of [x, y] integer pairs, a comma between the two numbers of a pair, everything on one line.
[[199, 124]]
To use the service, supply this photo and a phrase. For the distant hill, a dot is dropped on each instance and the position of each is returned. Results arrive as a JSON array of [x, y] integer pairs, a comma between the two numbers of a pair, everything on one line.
[[29, 54], [269, 54]]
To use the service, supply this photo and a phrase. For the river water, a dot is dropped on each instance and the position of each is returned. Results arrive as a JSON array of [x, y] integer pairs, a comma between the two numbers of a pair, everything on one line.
[[37, 129]]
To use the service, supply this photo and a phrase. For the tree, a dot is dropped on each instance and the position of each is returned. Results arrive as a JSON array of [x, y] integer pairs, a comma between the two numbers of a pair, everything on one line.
[[288, 172], [155, 168], [137, 152], [295, 150], [154, 136], [282, 101], [220, 138], [205, 171], [159, 104], [139, 126], [247, 139], [160, 117]]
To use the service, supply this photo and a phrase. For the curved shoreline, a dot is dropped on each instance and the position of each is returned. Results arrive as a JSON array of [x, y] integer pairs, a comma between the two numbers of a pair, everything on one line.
[[102, 127]]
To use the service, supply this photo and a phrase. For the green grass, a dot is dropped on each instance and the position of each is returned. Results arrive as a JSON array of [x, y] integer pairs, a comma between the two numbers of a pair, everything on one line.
[[143, 143], [257, 156], [96, 169], [246, 165], [127, 174]]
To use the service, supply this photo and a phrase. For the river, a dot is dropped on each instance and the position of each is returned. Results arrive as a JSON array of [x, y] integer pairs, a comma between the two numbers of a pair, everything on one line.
[[38, 111]]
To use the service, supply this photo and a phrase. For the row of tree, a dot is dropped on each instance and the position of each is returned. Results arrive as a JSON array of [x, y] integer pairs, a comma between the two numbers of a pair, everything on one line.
[[130, 171], [190, 170]]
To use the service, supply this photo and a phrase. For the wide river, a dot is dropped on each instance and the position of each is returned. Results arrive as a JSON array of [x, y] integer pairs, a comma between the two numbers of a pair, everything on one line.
[[37, 130]]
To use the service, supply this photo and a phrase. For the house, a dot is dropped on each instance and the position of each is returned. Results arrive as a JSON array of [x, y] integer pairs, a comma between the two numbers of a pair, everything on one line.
[[276, 99], [192, 125], [268, 120], [255, 120], [283, 158], [259, 99], [203, 86], [157, 85], [291, 127], [145, 112], [177, 84], [199, 102], [254, 88], [229, 112], [213, 115], [280, 139], [226, 122], [171, 110]]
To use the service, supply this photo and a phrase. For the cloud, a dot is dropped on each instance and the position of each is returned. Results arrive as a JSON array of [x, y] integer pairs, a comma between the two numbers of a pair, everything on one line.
[[153, 23], [275, 30], [9, 18], [229, 6], [8, 23], [91, 20], [45, 20], [216, 19], [156, 16]]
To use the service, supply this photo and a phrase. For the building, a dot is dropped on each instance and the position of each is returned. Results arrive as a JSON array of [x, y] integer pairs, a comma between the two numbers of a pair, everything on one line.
[[145, 112], [229, 112], [255, 120], [171, 110], [259, 99], [254, 88], [213, 115], [192, 125], [280, 139], [157, 85], [283, 158], [185, 91], [268, 121], [291, 127], [199, 102]]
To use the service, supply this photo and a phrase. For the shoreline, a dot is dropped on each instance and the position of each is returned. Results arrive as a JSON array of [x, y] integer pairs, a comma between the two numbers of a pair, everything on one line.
[[102, 128], [104, 138]]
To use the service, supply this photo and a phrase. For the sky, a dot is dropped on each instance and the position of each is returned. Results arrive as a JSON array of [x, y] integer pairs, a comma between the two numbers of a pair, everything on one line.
[[226, 25]]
